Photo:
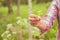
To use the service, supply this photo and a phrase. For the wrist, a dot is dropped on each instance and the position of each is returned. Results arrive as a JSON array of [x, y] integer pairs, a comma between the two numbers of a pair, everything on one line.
[[42, 25]]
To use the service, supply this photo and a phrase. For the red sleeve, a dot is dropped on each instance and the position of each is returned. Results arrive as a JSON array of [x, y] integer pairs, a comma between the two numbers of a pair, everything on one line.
[[50, 16]]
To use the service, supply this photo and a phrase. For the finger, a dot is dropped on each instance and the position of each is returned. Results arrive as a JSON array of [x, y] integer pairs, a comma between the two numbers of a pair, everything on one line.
[[33, 16], [33, 19], [36, 17], [33, 24]]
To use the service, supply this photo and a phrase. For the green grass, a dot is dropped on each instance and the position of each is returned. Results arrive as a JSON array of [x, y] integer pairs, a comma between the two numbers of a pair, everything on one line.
[[38, 9]]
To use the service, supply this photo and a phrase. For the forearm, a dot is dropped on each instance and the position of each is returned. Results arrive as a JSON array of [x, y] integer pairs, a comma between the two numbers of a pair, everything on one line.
[[50, 16]]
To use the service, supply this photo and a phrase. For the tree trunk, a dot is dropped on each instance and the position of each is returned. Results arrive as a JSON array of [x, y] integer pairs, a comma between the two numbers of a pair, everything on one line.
[[26, 1], [37, 38], [19, 30], [38, 1], [30, 12], [10, 10], [18, 7]]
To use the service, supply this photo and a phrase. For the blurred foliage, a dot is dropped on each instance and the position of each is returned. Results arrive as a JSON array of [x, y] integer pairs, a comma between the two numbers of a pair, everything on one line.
[[39, 9], [5, 2]]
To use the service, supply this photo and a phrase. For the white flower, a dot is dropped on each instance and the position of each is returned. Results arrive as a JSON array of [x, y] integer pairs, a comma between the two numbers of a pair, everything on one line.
[[33, 31], [18, 22], [5, 39], [6, 32], [9, 35], [17, 17], [25, 21], [14, 32], [2, 34], [9, 25]]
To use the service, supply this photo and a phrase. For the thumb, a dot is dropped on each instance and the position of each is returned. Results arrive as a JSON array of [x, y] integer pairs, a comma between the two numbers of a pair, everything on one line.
[[38, 18]]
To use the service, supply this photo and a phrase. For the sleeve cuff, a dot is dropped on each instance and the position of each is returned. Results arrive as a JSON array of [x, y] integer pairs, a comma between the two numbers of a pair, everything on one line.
[[43, 31]]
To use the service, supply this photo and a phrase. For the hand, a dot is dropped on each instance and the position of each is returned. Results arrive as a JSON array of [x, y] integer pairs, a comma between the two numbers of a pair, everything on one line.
[[34, 19], [41, 25], [37, 21]]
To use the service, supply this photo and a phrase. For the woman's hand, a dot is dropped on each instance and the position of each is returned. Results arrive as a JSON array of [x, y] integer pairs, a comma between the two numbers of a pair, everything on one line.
[[37, 21], [34, 19]]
